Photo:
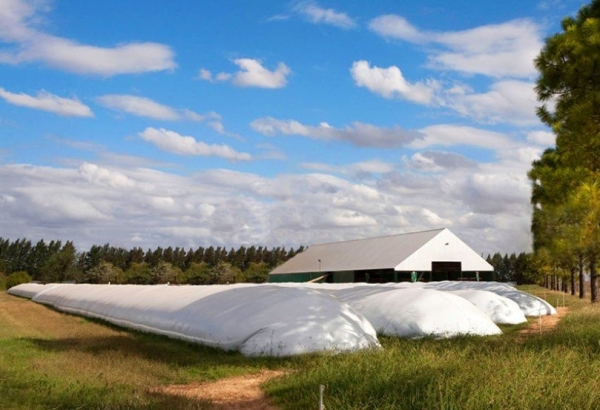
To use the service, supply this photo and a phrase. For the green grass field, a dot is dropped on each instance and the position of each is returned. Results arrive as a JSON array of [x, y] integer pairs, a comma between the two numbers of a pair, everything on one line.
[[50, 360]]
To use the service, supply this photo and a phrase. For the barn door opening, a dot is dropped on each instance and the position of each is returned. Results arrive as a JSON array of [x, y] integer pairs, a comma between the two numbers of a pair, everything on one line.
[[441, 270]]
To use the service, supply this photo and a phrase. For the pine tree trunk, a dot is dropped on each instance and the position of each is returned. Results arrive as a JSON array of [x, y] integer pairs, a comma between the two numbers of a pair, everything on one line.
[[581, 279], [572, 281]]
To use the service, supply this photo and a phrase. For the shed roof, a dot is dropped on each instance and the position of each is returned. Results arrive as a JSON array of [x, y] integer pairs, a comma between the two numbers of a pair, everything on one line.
[[384, 252]]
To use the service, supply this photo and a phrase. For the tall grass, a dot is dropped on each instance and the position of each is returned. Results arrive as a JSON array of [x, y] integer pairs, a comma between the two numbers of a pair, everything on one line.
[[554, 370]]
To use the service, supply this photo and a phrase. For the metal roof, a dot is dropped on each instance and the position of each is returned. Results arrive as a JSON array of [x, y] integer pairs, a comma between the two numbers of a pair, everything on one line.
[[384, 252]]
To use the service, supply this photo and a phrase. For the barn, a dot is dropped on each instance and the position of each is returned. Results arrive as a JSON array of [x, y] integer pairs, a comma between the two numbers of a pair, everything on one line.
[[432, 255]]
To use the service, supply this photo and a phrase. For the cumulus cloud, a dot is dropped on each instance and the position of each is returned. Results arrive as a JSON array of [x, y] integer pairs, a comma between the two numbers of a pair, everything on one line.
[[486, 204], [495, 50], [318, 15], [358, 134], [104, 177], [185, 145], [45, 101], [390, 83], [252, 74], [32, 45], [506, 101]]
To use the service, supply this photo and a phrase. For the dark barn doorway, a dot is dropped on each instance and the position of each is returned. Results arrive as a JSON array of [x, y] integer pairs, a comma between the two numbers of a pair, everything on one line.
[[446, 271]]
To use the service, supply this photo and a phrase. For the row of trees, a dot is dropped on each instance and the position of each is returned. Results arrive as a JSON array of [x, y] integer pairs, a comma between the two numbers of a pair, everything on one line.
[[519, 268], [566, 179], [58, 262]]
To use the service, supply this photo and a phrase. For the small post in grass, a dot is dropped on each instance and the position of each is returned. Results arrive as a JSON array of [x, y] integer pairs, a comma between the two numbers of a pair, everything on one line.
[[321, 390]]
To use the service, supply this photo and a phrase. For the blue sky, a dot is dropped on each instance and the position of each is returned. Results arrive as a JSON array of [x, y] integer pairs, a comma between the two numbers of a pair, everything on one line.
[[269, 123]]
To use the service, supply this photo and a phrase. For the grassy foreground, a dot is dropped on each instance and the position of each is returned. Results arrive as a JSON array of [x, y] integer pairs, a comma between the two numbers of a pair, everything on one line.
[[52, 360], [554, 370]]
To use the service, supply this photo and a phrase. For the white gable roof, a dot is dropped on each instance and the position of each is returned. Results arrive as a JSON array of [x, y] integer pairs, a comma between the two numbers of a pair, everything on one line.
[[445, 247], [406, 252]]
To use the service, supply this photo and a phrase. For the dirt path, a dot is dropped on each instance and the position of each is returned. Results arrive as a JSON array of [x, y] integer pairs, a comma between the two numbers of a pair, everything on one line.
[[233, 393], [548, 323]]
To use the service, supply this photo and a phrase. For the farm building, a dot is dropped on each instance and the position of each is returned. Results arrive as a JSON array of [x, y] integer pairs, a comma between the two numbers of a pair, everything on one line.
[[425, 256]]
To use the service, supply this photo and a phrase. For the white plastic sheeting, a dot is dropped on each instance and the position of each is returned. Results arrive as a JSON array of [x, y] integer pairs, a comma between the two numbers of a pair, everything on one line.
[[29, 290], [415, 312], [529, 304], [499, 309], [293, 318], [260, 320]]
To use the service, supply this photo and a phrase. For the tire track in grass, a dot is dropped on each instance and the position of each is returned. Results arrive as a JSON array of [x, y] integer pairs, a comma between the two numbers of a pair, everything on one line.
[[548, 323]]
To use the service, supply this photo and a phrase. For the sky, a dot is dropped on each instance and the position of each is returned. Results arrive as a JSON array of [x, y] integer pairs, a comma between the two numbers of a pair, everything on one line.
[[236, 123]]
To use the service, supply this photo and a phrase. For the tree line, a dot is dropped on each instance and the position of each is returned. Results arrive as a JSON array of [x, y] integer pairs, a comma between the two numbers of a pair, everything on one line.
[[566, 179], [520, 269], [56, 261]]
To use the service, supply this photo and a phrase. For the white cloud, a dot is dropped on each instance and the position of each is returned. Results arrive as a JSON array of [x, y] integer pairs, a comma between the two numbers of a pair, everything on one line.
[[438, 161], [105, 177], [270, 151], [542, 138], [486, 204], [390, 83], [48, 102], [319, 15], [359, 170], [495, 50], [507, 101], [251, 74], [145, 107], [184, 145], [14, 15], [394, 26], [358, 134], [16, 27], [446, 135], [204, 74]]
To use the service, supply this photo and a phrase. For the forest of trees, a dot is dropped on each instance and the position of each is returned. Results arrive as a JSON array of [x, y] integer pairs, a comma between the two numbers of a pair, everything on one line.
[[566, 179], [60, 262]]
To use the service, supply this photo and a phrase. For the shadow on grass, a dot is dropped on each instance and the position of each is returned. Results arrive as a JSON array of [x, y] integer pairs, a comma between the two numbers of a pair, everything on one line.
[[154, 348]]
